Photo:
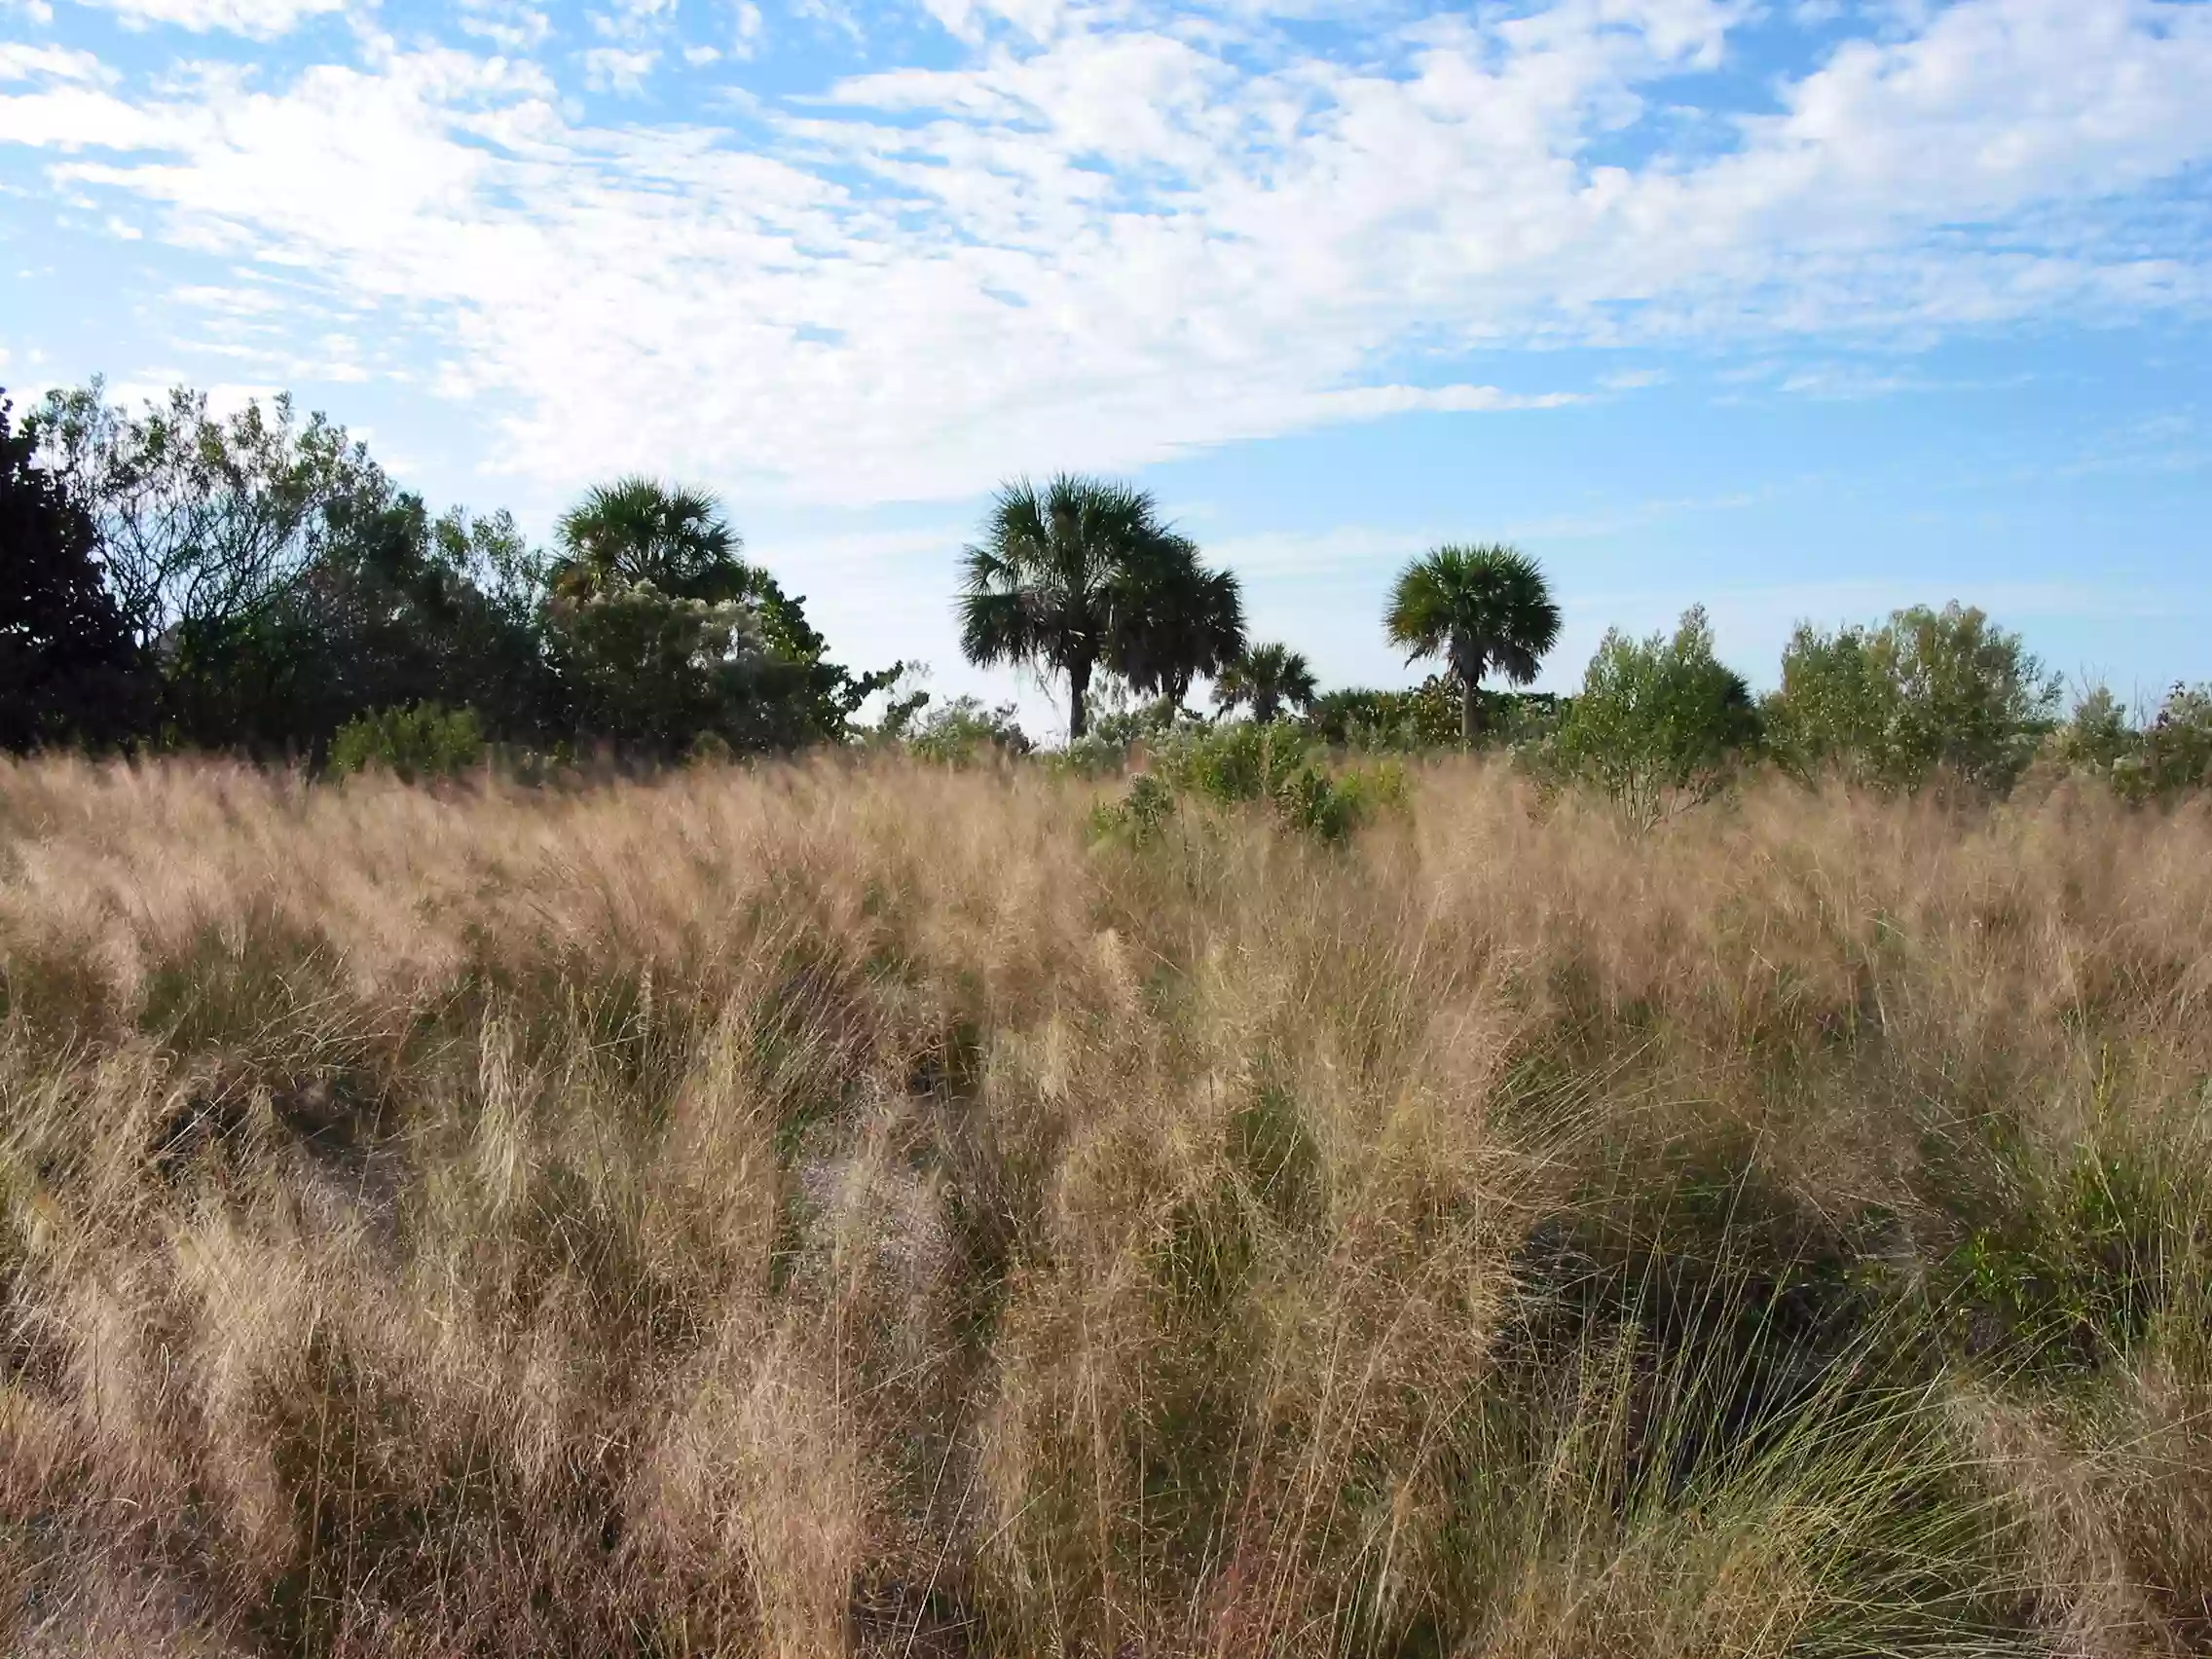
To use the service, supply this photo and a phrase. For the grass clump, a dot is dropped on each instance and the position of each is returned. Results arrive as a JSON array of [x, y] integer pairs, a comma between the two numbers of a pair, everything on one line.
[[846, 1208]]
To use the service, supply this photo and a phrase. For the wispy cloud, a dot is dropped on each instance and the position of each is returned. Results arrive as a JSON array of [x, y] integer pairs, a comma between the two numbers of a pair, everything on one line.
[[1113, 234], [258, 19], [614, 68]]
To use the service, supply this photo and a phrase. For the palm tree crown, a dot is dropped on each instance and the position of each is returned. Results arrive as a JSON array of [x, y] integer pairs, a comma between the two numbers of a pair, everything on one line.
[[640, 530], [1056, 582], [1484, 610], [1176, 619], [1266, 676]]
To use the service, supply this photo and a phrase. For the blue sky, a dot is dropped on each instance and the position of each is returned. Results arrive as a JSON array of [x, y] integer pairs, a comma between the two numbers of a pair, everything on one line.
[[1794, 307]]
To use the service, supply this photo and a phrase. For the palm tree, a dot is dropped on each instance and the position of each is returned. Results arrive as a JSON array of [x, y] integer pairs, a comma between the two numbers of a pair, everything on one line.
[[1048, 585], [640, 530], [1177, 619], [1266, 676], [1482, 608]]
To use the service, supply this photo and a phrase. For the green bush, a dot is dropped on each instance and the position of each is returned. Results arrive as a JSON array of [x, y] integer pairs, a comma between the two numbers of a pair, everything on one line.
[[1928, 694], [1427, 717], [1139, 814], [1245, 762], [1659, 722], [963, 731], [420, 740], [2098, 735], [2176, 750], [1241, 761]]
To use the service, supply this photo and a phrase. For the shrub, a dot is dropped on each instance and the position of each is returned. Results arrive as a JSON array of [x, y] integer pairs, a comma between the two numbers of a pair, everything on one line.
[[1246, 763], [1927, 695], [1659, 722], [1427, 716], [650, 671], [2176, 751], [2098, 735], [423, 740], [1139, 814], [963, 731]]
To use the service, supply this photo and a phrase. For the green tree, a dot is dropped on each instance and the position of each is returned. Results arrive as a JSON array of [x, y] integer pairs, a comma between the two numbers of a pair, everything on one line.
[[202, 522], [1927, 695], [2176, 753], [1051, 582], [207, 529], [402, 609], [1659, 720], [1485, 610], [2098, 734], [1177, 619], [69, 672], [664, 636], [1266, 679]]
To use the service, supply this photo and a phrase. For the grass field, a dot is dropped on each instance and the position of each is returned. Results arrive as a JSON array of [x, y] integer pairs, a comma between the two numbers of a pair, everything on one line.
[[860, 1209]]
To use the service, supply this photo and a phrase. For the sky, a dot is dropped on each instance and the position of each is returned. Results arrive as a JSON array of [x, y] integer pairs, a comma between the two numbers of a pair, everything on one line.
[[1801, 309]]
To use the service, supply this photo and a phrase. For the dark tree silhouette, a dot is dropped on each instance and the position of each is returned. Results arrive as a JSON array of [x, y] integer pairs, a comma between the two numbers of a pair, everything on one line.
[[1048, 585], [1175, 619], [69, 673]]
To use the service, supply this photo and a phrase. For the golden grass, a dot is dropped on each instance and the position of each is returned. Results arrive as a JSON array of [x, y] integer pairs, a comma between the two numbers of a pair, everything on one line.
[[840, 1209]]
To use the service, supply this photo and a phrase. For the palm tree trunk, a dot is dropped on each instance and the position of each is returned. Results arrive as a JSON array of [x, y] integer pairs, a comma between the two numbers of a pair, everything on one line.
[[1079, 687], [1470, 712]]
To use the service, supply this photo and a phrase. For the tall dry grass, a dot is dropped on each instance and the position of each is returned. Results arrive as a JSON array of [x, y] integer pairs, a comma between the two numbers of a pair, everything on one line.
[[824, 1210]]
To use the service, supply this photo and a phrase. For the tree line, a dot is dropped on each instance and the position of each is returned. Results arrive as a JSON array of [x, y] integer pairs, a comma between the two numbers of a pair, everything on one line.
[[256, 584]]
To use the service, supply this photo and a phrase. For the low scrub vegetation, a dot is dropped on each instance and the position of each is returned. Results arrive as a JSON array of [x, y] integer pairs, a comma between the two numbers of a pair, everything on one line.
[[856, 1207]]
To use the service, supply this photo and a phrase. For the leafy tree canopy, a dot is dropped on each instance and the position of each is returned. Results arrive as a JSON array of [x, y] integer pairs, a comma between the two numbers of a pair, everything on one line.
[[1927, 695], [1658, 720], [664, 636], [202, 521]]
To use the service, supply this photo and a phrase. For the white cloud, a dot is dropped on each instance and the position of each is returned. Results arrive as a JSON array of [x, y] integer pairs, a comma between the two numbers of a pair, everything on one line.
[[1102, 240], [20, 60], [259, 19], [512, 26], [614, 68]]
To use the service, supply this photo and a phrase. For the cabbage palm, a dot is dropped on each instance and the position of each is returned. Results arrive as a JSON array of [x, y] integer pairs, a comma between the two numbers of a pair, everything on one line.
[[640, 530], [1484, 610], [1048, 585], [1176, 619], [1266, 676]]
